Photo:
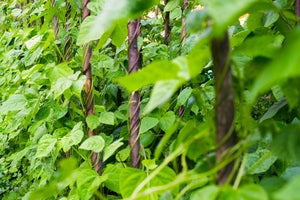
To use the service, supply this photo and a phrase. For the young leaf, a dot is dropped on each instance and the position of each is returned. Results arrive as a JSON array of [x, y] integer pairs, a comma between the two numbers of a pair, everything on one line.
[[156, 71], [107, 118], [110, 149], [161, 93], [92, 121], [13, 103], [113, 172], [73, 138], [88, 181], [45, 146], [147, 123], [129, 180], [171, 5], [167, 120], [183, 96], [95, 143], [93, 27]]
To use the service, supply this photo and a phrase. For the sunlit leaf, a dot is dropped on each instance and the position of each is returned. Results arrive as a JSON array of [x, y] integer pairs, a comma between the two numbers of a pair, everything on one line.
[[45, 146], [13, 103], [147, 123], [93, 27], [73, 138], [95, 143]]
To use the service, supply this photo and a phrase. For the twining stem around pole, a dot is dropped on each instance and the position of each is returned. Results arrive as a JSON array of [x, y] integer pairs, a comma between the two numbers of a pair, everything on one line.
[[89, 96], [224, 101], [134, 62], [68, 38]]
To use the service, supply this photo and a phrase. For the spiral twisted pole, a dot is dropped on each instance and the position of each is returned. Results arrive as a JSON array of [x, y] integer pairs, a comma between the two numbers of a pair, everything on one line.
[[55, 21], [134, 62], [88, 87], [68, 38], [297, 9]]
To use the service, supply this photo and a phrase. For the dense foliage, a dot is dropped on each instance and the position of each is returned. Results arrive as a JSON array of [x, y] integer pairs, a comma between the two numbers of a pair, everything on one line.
[[45, 148]]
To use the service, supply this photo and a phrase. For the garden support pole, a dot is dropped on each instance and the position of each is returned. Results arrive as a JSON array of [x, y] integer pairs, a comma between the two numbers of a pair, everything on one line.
[[134, 62], [68, 38], [89, 96], [297, 10], [224, 102], [167, 25], [55, 21]]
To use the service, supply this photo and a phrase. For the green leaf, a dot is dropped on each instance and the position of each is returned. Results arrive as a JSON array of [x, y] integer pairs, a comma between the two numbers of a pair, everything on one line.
[[176, 13], [285, 143], [14, 103], [171, 5], [33, 42], [77, 86], [45, 146], [263, 45], [156, 71], [120, 33], [129, 180], [271, 18], [123, 154], [271, 112], [183, 96], [165, 176], [207, 193], [161, 93], [93, 27], [113, 172], [149, 164], [147, 123], [73, 138], [95, 143], [111, 149], [274, 73], [60, 86], [88, 182], [225, 13], [107, 118], [167, 120], [259, 161], [92, 121], [147, 138], [289, 191], [252, 192], [55, 72]]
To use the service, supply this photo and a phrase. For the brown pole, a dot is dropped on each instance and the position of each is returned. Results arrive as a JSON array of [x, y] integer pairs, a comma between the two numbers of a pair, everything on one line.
[[134, 61], [297, 9], [224, 102], [167, 26], [89, 96], [68, 38]]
